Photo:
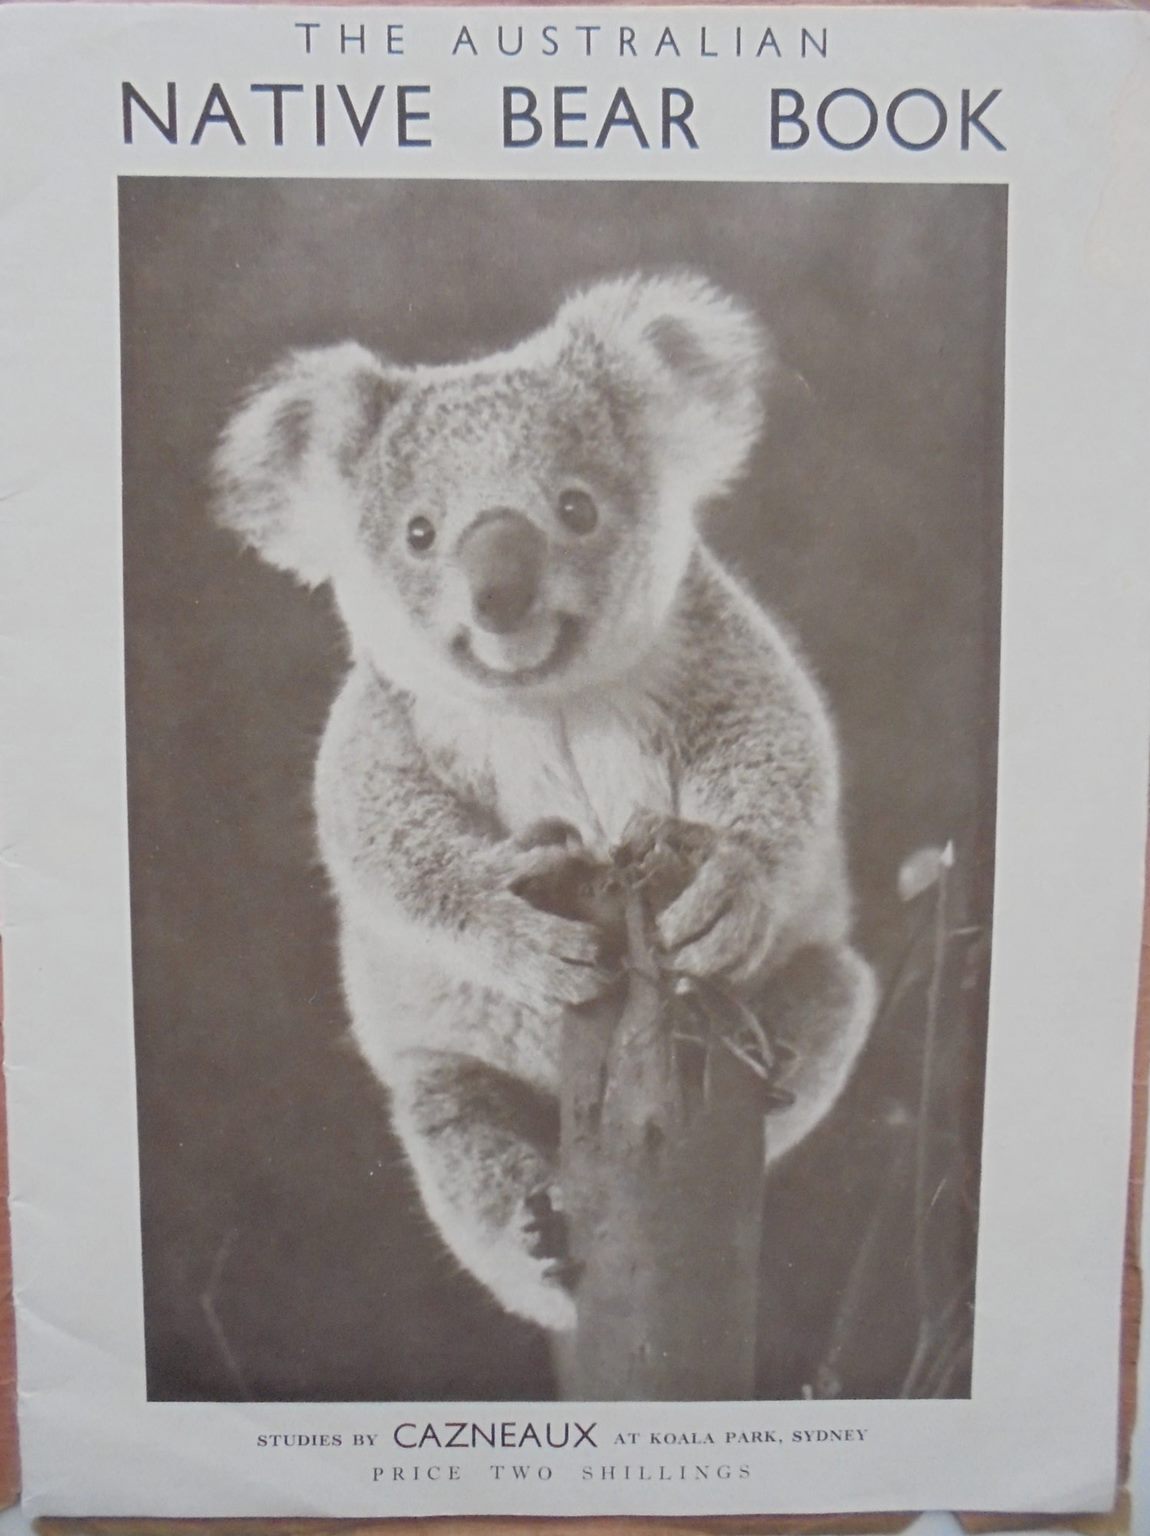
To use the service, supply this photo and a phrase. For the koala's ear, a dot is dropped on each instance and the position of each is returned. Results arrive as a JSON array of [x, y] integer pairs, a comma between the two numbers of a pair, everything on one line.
[[699, 359], [285, 462]]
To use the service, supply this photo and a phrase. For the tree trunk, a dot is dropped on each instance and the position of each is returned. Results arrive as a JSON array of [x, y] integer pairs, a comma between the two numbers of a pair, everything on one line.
[[661, 1168]]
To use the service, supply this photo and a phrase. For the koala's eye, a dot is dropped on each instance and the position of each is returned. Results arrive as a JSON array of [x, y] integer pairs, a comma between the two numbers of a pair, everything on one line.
[[420, 534], [577, 511]]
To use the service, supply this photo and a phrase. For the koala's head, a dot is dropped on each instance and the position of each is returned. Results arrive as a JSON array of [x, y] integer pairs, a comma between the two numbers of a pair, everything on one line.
[[516, 525]]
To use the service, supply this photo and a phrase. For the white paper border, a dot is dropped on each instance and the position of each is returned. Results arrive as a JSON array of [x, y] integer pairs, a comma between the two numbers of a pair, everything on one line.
[[1040, 1430]]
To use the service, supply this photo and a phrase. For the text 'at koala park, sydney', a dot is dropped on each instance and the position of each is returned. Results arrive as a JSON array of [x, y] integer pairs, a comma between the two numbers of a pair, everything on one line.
[[578, 800]]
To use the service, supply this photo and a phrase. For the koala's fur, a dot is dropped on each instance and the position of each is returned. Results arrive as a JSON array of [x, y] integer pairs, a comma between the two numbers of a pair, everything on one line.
[[518, 671]]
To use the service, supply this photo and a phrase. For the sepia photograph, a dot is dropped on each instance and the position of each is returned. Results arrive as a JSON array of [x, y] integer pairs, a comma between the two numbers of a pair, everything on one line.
[[562, 670]]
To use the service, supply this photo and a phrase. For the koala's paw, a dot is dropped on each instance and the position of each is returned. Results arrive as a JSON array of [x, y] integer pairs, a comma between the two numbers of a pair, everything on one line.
[[544, 960], [721, 924], [548, 962], [543, 1230]]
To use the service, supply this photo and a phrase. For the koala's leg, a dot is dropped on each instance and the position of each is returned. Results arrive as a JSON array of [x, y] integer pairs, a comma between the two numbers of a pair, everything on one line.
[[820, 1006], [483, 1146]]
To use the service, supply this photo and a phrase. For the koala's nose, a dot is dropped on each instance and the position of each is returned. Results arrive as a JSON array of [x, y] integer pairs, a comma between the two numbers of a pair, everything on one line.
[[502, 557]]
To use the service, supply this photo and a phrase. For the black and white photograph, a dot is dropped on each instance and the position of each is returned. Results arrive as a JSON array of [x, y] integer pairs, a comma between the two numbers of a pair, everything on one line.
[[562, 672]]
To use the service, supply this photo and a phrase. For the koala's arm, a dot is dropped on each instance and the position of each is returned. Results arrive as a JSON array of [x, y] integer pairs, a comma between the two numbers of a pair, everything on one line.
[[770, 906], [757, 764], [413, 859]]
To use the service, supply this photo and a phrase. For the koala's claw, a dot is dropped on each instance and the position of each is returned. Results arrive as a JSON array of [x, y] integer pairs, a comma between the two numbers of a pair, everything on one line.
[[783, 1057], [564, 1272], [546, 1229], [552, 832], [720, 925], [521, 866], [573, 983], [545, 1226], [549, 961]]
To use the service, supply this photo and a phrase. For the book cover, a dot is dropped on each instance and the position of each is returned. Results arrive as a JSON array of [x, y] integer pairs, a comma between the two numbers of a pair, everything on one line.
[[577, 596]]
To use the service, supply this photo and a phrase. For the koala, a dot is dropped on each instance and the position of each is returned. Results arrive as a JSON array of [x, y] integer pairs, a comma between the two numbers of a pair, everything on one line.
[[539, 635]]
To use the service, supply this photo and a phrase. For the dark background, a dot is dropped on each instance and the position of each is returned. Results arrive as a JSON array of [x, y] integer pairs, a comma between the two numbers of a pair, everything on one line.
[[285, 1253]]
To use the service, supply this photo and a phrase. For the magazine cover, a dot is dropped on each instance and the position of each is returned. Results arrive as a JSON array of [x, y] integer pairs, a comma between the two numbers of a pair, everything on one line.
[[575, 593]]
